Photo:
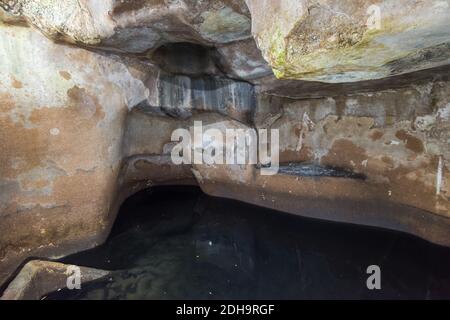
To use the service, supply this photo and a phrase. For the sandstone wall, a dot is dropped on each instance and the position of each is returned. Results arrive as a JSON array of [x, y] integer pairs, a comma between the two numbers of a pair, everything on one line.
[[90, 93], [62, 115]]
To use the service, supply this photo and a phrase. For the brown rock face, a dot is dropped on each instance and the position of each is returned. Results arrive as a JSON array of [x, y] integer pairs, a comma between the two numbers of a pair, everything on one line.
[[91, 93], [38, 278]]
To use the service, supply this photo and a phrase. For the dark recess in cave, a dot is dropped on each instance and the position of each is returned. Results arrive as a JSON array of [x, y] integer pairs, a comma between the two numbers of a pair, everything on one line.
[[178, 243]]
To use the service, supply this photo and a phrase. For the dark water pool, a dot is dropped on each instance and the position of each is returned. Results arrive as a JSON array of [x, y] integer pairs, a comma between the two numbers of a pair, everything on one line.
[[177, 243]]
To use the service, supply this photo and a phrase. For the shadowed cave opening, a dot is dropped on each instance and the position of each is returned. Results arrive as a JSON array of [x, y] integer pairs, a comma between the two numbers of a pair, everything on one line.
[[185, 58], [178, 243]]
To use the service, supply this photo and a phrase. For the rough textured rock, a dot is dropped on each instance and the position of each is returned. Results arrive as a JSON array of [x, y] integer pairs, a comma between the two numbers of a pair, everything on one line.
[[345, 41], [397, 139], [180, 96], [62, 113], [295, 89], [243, 60], [91, 91], [141, 27], [323, 40], [38, 278], [137, 26]]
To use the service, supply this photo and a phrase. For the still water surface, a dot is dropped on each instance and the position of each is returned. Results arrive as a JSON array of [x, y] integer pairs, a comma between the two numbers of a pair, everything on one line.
[[177, 243]]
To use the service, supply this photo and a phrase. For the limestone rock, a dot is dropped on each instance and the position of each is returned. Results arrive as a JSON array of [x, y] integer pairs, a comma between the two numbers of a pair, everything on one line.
[[346, 41], [38, 278], [62, 111], [137, 26], [327, 40], [180, 96], [91, 92], [243, 60]]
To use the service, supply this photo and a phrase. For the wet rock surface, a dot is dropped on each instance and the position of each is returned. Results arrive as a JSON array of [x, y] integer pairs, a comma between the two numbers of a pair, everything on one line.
[[327, 40], [181, 96], [38, 278], [305, 170], [346, 41], [180, 244], [91, 91]]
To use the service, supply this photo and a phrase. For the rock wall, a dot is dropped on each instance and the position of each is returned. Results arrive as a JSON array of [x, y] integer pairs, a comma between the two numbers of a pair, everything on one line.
[[90, 93], [62, 114], [345, 41]]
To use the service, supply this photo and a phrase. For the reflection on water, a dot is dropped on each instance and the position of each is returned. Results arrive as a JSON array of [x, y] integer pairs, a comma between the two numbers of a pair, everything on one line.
[[177, 243]]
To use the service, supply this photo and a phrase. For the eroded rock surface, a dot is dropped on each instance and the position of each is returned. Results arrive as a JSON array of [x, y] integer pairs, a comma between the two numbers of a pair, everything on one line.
[[345, 41], [141, 27], [326, 40], [38, 278], [91, 92]]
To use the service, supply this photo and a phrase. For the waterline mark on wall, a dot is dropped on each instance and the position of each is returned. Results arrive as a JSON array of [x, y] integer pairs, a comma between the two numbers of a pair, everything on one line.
[[212, 146]]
